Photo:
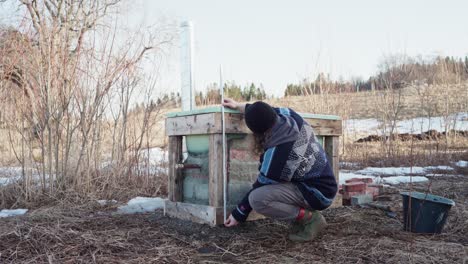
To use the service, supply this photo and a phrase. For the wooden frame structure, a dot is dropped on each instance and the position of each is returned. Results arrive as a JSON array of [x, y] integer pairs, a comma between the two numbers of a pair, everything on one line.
[[208, 122]]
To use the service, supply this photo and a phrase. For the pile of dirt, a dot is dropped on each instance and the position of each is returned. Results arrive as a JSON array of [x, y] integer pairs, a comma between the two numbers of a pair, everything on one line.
[[428, 135], [354, 235]]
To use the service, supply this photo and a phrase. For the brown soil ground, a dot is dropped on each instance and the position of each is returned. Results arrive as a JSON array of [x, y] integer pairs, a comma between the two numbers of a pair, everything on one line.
[[93, 234]]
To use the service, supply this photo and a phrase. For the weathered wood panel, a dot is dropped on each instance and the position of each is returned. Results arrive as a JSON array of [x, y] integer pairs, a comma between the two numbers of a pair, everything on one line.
[[211, 124], [332, 146], [216, 170], [203, 214], [197, 213], [325, 127], [175, 180], [190, 125]]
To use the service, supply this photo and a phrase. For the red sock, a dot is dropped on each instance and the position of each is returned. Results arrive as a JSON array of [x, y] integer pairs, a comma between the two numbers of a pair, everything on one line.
[[301, 214], [304, 215]]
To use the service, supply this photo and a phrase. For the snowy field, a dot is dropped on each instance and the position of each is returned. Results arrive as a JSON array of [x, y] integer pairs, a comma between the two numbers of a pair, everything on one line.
[[397, 175], [418, 125]]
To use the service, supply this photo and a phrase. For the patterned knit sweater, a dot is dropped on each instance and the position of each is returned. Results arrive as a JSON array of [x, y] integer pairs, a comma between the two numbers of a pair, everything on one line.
[[293, 154]]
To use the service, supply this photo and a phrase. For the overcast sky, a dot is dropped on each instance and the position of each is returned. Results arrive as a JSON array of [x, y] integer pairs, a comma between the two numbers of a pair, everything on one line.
[[279, 42]]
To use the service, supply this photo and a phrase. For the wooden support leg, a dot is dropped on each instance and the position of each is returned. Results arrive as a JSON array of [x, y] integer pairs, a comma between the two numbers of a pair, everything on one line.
[[216, 170], [175, 181], [332, 149]]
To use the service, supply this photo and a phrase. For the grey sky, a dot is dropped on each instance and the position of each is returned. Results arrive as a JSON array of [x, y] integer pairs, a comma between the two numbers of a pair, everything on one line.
[[280, 42]]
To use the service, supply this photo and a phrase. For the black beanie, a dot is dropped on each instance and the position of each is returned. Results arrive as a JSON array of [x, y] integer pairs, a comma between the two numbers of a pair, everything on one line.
[[259, 117]]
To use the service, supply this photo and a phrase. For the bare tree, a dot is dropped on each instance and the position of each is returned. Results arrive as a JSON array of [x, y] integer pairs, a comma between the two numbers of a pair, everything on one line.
[[393, 69], [68, 66]]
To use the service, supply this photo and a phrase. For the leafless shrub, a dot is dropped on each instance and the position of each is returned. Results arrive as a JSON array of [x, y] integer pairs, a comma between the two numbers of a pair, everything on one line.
[[66, 75]]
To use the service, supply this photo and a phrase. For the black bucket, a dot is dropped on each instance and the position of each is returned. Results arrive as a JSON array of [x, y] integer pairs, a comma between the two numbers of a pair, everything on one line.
[[428, 212]]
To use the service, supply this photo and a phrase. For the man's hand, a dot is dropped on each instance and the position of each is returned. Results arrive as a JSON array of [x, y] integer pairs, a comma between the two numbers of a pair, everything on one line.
[[230, 222], [228, 102]]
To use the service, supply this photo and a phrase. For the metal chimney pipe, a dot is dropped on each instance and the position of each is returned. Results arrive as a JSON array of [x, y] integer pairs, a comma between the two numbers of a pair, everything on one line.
[[187, 66]]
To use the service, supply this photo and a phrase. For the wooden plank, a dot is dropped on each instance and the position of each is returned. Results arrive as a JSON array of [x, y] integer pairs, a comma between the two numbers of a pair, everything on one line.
[[210, 123], [202, 214], [332, 145], [215, 157], [190, 125], [325, 127], [336, 157], [175, 181], [207, 110], [217, 109], [332, 150], [234, 123]]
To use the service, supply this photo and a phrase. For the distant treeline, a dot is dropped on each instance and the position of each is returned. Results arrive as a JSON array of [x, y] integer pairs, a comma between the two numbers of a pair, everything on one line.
[[231, 90], [394, 72], [213, 96]]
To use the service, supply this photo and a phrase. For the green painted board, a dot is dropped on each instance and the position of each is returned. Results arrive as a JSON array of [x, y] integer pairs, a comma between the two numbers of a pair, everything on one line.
[[213, 109], [217, 109]]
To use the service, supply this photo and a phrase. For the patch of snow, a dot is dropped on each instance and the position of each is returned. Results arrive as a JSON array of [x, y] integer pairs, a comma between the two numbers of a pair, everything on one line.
[[6, 181], [447, 168], [154, 155], [142, 205], [422, 124], [106, 202], [443, 175], [404, 179], [10, 171], [461, 163], [413, 125], [152, 169], [401, 170], [345, 175], [359, 126], [12, 212], [151, 161], [391, 170], [349, 164], [10, 175]]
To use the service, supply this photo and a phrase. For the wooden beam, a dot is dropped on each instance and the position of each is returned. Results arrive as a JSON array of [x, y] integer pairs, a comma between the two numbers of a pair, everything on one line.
[[198, 213], [202, 214], [326, 127], [215, 157], [332, 146], [190, 125], [210, 123], [175, 181]]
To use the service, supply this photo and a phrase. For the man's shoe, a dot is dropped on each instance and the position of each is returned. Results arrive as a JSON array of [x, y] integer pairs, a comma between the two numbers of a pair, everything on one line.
[[296, 228], [310, 227]]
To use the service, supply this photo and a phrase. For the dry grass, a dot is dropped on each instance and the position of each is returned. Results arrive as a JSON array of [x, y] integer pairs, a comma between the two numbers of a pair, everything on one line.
[[417, 153], [68, 233], [416, 100]]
